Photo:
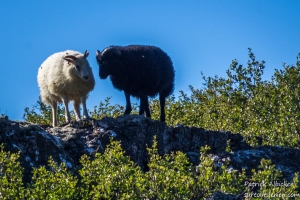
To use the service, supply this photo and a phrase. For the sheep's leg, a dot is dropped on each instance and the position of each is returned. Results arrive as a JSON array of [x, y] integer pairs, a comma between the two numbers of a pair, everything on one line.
[[162, 101], [85, 112], [76, 105], [54, 113], [147, 109], [143, 104], [128, 103], [67, 112]]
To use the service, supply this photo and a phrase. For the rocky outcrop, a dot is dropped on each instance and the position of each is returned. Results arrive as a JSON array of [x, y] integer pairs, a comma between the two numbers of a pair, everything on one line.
[[68, 143]]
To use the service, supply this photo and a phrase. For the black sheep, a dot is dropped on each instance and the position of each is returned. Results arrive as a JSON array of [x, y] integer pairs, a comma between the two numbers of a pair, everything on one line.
[[140, 71]]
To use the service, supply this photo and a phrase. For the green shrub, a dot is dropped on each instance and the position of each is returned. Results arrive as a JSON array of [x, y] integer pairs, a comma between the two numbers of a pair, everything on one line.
[[169, 176], [243, 103], [112, 175], [53, 183], [42, 114], [221, 178], [106, 110], [11, 172]]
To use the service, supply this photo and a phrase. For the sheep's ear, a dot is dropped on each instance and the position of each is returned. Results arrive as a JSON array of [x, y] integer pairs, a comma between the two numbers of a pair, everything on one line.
[[98, 54], [70, 58], [86, 54]]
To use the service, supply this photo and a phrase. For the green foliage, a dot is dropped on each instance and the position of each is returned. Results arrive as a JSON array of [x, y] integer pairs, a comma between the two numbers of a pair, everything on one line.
[[112, 175], [243, 103], [170, 176], [55, 183], [106, 110], [11, 185], [221, 178], [42, 114]]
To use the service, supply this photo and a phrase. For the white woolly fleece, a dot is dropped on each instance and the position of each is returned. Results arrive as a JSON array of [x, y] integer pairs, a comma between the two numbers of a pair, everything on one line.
[[63, 81]]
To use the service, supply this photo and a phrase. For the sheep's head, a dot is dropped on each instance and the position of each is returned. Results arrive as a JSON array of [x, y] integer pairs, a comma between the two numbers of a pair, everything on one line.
[[80, 64], [106, 58]]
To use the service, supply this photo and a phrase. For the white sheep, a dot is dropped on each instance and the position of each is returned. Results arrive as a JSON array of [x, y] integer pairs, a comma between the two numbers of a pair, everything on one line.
[[63, 77]]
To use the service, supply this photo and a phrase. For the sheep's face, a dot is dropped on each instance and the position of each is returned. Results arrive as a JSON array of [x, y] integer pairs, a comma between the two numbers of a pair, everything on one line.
[[80, 66], [81, 69], [103, 67], [105, 60]]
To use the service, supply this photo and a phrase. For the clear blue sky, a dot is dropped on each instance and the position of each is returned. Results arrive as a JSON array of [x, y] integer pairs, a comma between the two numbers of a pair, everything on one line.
[[198, 36]]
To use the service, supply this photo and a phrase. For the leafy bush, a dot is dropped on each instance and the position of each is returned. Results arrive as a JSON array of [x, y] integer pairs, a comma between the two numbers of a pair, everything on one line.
[[106, 110], [169, 176], [53, 183], [243, 103], [11, 172], [42, 114], [112, 175], [221, 178]]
